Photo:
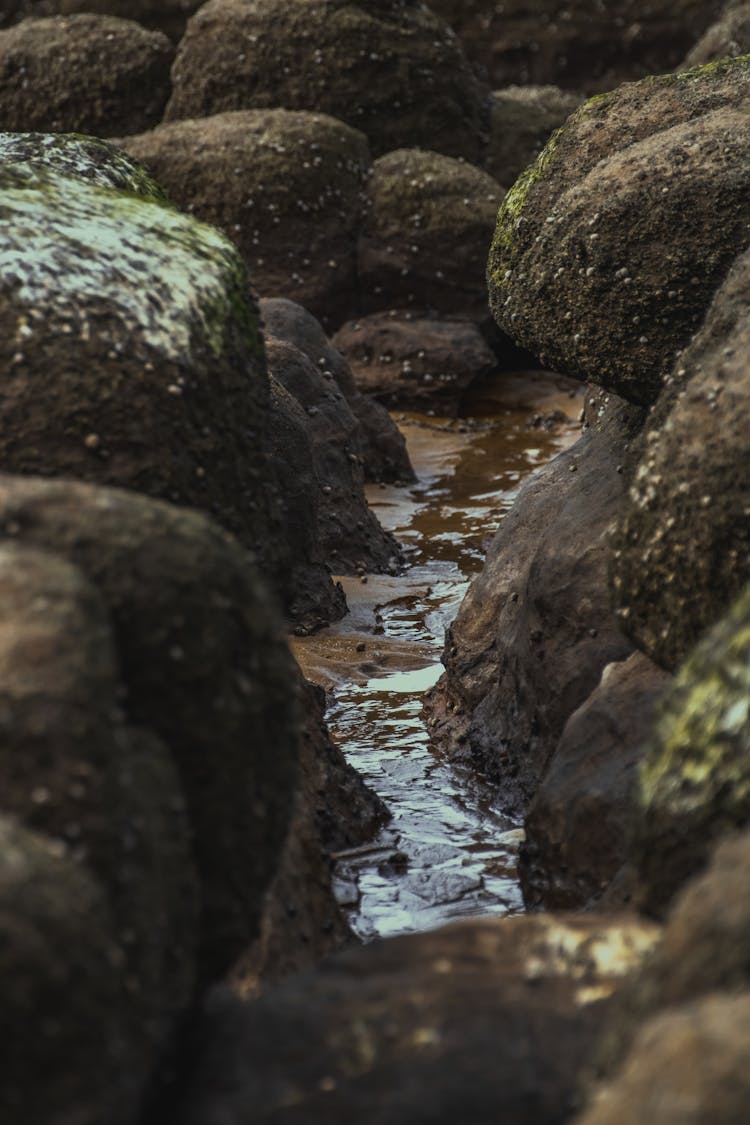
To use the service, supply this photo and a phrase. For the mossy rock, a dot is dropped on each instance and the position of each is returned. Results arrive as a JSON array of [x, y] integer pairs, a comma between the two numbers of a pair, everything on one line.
[[393, 70], [609, 248], [695, 778], [682, 543]]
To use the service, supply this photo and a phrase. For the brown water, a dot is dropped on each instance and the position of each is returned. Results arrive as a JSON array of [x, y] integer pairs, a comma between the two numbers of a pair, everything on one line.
[[449, 850]]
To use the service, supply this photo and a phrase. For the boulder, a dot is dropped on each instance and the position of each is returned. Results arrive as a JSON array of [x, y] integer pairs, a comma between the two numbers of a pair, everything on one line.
[[609, 249], [577, 824], [728, 37], [349, 535], [388, 67], [414, 361], [379, 441], [286, 187], [424, 242], [169, 16], [83, 74], [85, 158], [522, 121], [536, 630], [682, 542]]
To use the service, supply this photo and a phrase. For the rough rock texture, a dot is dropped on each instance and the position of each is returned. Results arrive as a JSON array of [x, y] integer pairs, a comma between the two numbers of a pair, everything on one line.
[[590, 45], [169, 16], [728, 37], [379, 441], [425, 239], [388, 67], [577, 824], [415, 361], [609, 249], [63, 998], [349, 535], [83, 74], [206, 669], [287, 188], [86, 158], [682, 545], [536, 630], [406, 1030], [522, 120], [695, 777]]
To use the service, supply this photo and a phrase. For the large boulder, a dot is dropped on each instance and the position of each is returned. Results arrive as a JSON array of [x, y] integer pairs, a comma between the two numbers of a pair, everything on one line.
[[380, 444], [682, 543], [286, 187], [728, 37], [388, 67], [83, 74], [169, 16], [425, 239], [610, 248], [522, 121], [91, 159]]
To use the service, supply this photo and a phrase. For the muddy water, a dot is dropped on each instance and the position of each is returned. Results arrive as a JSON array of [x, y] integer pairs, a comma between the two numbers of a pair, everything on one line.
[[449, 850]]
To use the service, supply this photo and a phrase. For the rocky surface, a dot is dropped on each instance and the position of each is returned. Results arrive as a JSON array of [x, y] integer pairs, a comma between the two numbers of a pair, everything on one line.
[[379, 441], [169, 16], [424, 242], [91, 159], [286, 187], [522, 120], [595, 267], [578, 822], [728, 37], [83, 74], [388, 67]]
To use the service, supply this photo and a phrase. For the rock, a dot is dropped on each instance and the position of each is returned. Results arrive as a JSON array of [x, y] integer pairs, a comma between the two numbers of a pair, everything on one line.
[[64, 1007], [287, 188], [83, 74], [416, 362], [595, 267], [379, 441], [424, 243], [577, 824], [586, 46], [349, 535], [388, 67], [86, 158], [728, 37], [206, 668], [405, 1030], [522, 121], [536, 630], [169, 16], [695, 777], [682, 543]]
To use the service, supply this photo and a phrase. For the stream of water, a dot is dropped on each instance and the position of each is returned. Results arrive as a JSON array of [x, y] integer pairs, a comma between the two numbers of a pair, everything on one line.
[[449, 851]]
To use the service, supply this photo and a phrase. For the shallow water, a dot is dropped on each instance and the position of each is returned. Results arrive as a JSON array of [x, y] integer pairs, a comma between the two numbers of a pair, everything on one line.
[[449, 851]]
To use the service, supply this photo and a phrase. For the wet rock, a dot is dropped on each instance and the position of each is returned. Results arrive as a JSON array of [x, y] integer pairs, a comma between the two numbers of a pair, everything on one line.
[[349, 534], [169, 16], [728, 37], [536, 630], [206, 669], [406, 1030], [287, 188], [682, 543], [86, 158], [522, 121], [595, 266], [577, 824], [392, 69], [695, 785], [415, 362], [424, 243], [83, 74], [586, 46], [379, 441], [63, 999]]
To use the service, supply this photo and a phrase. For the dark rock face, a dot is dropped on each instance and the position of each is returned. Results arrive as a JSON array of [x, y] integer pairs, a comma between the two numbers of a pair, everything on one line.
[[425, 239], [349, 534], [83, 74], [415, 361], [392, 69], [610, 248], [536, 629], [578, 822], [169, 16], [587, 46], [287, 188], [206, 669], [729, 37], [522, 121], [682, 545], [406, 1030], [379, 442]]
